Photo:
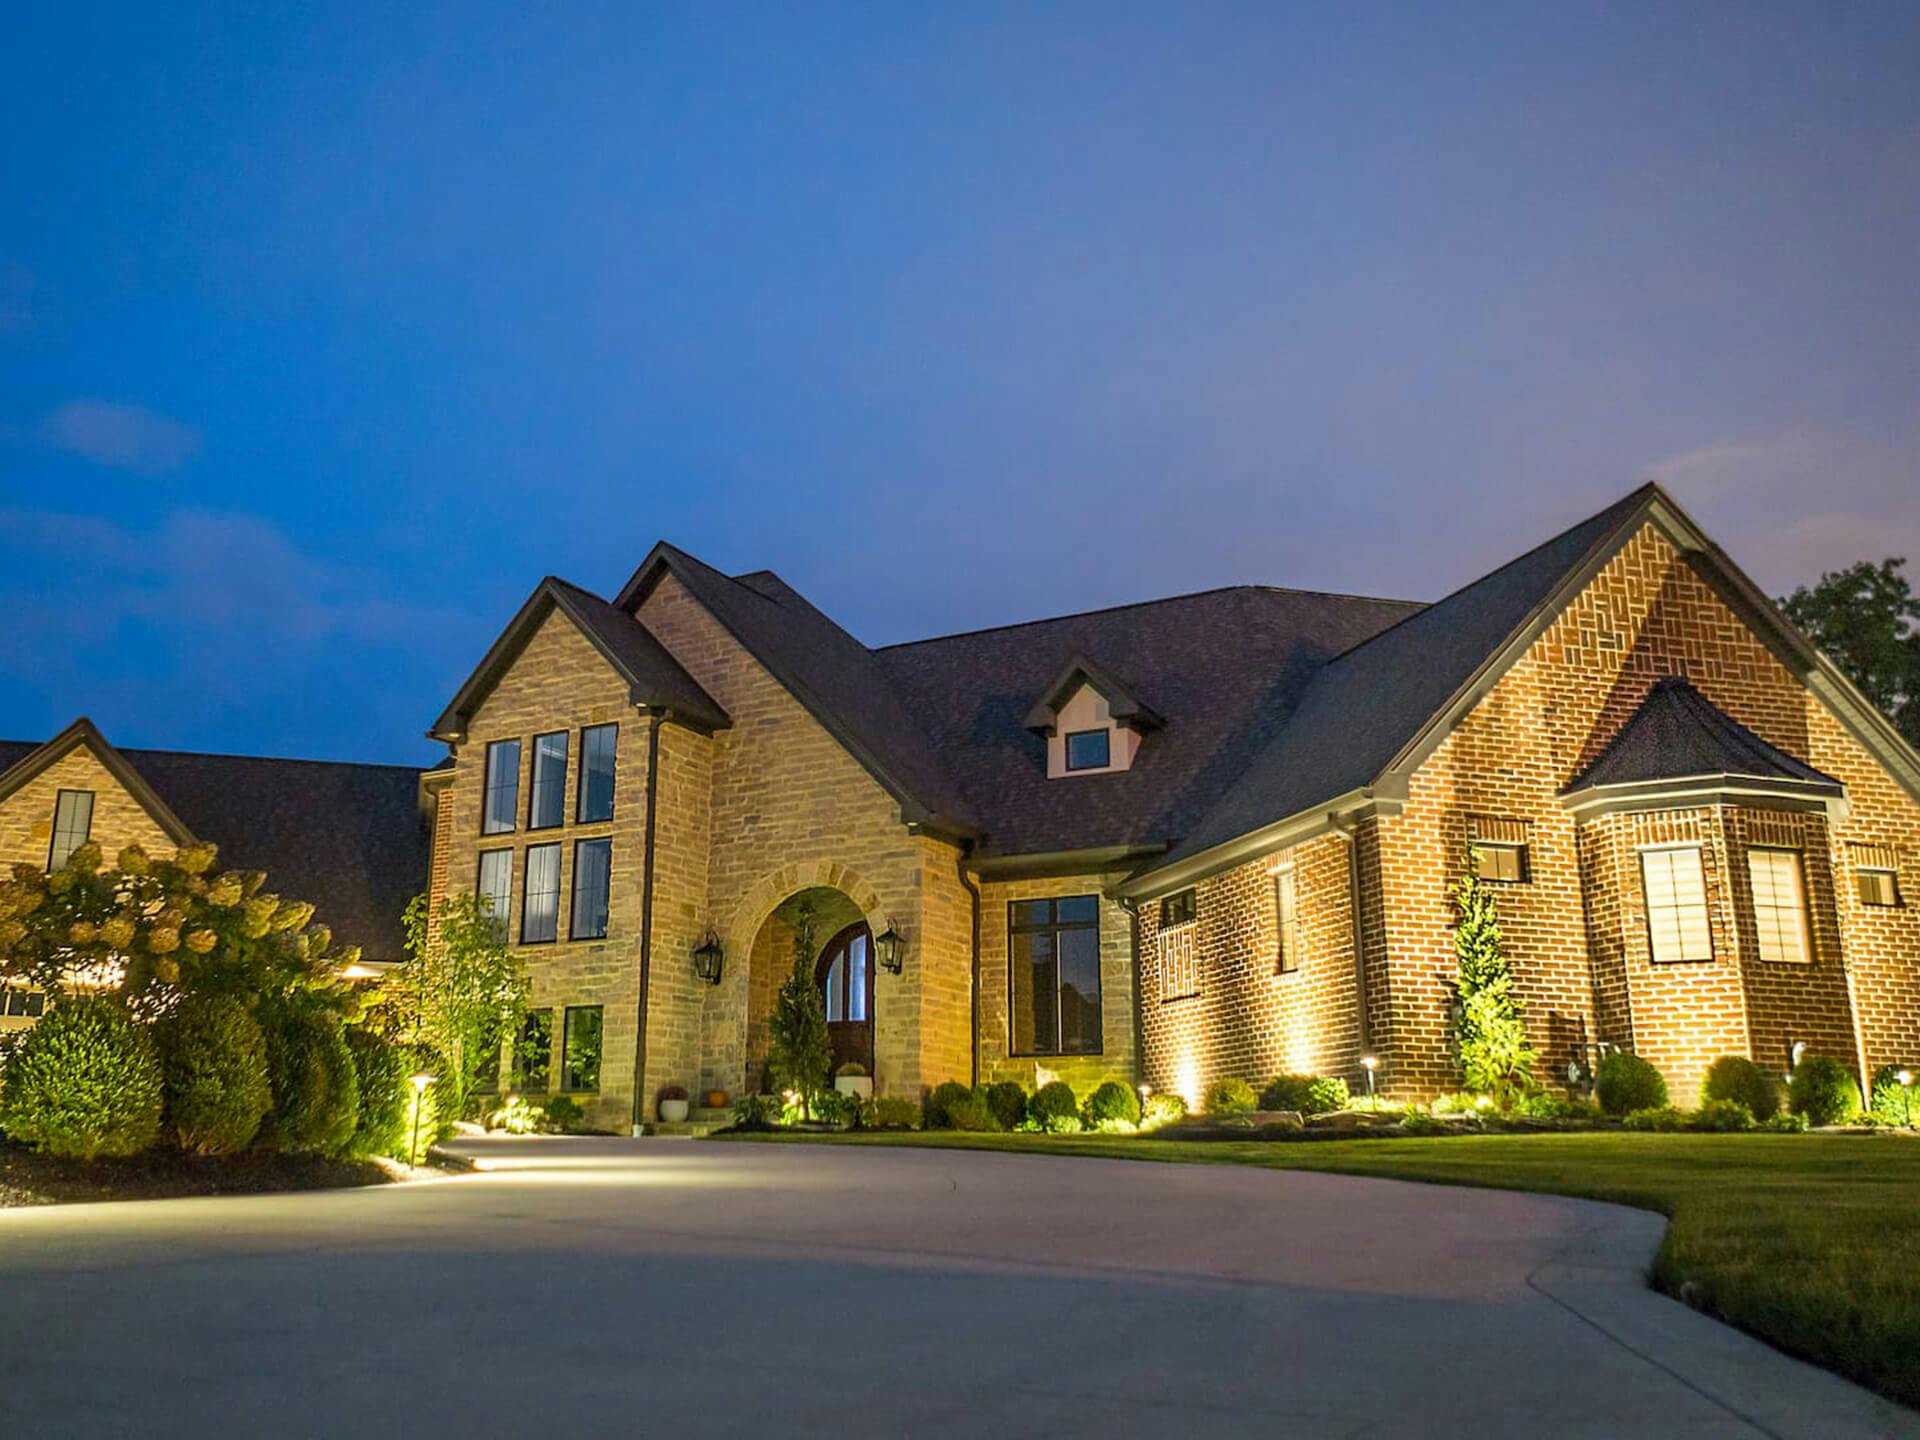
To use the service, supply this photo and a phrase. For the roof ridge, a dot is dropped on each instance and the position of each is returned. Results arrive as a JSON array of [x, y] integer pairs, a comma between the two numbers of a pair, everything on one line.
[[274, 759], [1144, 604]]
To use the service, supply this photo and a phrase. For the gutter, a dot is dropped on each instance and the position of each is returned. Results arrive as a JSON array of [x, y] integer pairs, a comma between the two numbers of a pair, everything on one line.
[[973, 970], [646, 921], [1356, 804]]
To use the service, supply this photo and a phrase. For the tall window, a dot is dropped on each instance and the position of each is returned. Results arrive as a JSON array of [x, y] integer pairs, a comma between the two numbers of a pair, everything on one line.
[[540, 911], [503, 787], [597, 745], [495, 884], [1089, 750], [72, 824], [1286, 922], [548, 806], [1676, 890], [592, 866], [582, 1070], [1053, 951], [846, 982], [1779, 903], [533, 1054]]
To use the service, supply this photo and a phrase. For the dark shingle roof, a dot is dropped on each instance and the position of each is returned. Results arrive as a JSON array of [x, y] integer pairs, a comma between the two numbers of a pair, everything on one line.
[[1679, 734]]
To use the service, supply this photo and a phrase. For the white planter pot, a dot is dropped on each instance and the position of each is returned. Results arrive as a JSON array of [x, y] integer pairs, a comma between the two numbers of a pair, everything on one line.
[[860, 1085], [673, 1112]]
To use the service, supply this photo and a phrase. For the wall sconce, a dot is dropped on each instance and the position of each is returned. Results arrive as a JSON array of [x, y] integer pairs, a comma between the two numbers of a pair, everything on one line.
[[709, 958], [891, 948]]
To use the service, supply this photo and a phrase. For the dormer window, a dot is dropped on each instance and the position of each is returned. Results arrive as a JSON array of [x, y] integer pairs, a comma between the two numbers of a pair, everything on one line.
[[1090, 750], [1091, 722]]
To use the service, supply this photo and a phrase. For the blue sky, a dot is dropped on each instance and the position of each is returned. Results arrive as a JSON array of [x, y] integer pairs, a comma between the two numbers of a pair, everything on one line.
[[325, 331]]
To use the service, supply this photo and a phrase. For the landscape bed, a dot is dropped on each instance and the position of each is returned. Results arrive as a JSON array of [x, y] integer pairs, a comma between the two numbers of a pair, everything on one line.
[[28, 1177], [1810, 1242]]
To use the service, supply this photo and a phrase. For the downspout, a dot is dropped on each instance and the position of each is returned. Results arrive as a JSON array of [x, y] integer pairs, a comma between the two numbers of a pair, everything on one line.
[[646, 922], [1362, 1025], [1132, 908], [973, 968]]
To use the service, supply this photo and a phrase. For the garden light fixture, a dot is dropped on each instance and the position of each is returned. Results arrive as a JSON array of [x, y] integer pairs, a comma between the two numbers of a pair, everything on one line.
[[891, 947], [420, 1083], [1905, 1077], [709, 958], [1372, 1063]]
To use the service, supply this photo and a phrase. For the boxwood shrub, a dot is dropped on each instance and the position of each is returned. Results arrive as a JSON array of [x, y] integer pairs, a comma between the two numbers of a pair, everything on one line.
[[1112, 1102], [1309, 1094], [215, 1061], [1891, 1101], [1006, 1101], [1725, 1116], [1625, 1083], [85, 1082], [1824, 1091], [1735, 1077], [383, 1075], [1230, 1096], [1163, 1107], [938, 1111], [316, 1098], [1055, 1109]]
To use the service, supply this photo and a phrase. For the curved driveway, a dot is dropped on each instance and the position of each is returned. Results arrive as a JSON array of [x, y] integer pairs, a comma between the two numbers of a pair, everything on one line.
[[666, 1288]]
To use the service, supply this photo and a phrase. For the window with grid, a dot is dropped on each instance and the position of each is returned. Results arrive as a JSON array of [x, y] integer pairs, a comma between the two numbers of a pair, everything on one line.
[[592, 869], [1779, 904], [1286, 922], [540, 911], [1675, 884], [533, 1054], [1876, 874], [72, 824], [495, 884], [1499, 849], [582, 1068], [1179, 948], [598, 744], [503, 787], [547, 807], [1053, 953]]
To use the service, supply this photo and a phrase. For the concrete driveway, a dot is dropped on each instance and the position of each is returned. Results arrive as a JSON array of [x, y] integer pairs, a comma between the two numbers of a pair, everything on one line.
[[665, 1288]]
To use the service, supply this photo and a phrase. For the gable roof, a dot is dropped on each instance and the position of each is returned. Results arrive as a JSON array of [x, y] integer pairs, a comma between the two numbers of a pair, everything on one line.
[[655, 679], [1121, 701], [1679, 734], [840, 682], [350, 838]]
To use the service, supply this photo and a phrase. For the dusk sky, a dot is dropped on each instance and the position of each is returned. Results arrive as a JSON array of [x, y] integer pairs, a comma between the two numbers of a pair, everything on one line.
[[326, 331]]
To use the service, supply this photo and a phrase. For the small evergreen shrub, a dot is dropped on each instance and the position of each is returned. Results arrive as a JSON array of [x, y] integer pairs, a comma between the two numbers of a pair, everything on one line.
[[938, 1112], [758, 1112], [1721, 1116], [1055, 1109], [889, 1112], [1309, 1094], [316, 1099], [1785, 1123], [564, 1113], [1418, 1122], [1163, 1107], [86, 1082], [1662, 1118], [1625, 1083], [1892, 1102], [970, 1113], [519, 1116], [1007, 1102], [1824, 1091], [1735, 1077], [1111, 1103], [215, 1061], [1230, 1097], [1545, 1105], [385, 1080]]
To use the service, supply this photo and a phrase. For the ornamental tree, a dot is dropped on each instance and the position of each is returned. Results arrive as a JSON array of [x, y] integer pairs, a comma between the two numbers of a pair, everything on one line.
[[1490, 1033], [461, 991], [800, 1052]]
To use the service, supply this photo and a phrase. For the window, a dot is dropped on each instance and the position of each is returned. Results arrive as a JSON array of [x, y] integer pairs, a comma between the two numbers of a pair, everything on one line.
[[548, 805], [848, 966], [72, 824], [582, 1070], [1876, 874], [1676, 891], [592, 867], [1286, 922], [533, 1053], [503, 787], [1177, 910], [1089, 750], [1504, 864], [1053, 951], [540, 912], [1779, 904], [495, 884], [597, 746], [16, 1000]]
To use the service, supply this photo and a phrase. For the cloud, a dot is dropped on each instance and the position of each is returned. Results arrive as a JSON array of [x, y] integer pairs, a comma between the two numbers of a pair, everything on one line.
[[124, 437]]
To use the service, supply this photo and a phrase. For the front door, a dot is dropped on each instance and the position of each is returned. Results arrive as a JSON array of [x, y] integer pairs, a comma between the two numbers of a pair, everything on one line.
[[845, 976]]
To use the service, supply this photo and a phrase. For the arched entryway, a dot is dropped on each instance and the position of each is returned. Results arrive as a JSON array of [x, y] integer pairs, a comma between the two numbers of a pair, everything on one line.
[[844, 973]]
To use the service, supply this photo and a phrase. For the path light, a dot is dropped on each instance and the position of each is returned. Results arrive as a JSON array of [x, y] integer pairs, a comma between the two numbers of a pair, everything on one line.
[[1905, 1077], [420, 1084], [709, 959], [1372, 1062], [891, 948]]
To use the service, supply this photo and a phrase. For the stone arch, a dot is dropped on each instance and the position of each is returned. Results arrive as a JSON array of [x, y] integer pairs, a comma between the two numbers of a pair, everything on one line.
[[767, 893]]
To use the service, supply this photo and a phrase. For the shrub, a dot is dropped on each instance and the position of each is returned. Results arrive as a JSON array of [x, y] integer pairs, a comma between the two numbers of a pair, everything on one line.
[[1490, 1032], [830, 1107], [1418, 1122], [1785, 1123], [384, 1076], [672, 1092], [969, 1112], [215, 1061], [1229, 1097], [758, 1112], [1309, 1094], [1111, 1102], [1545, 1105], [1735, 1077], [1655, 1117], [939, 1106], [1892, 1102], [1460, 1102], [519, 1116], [1163, 1107], [1052, 1105], [853, 1069], [1006, 1101], [1625, 1083], [1722, 1116], [564, 1113], [1824, 1091], [889, 1112], [85, 1082], [316, 1099]]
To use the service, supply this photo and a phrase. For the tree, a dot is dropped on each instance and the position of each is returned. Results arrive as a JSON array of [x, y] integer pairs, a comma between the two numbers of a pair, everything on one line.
[[800, 1053], [461, 989], [1867, 620], [1490, 1033]]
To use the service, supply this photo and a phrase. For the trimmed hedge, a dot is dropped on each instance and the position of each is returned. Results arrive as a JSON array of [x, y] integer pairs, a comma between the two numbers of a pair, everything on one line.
[[1112, 1102], [383, 1073], [1229, 1097], [1006, 1101], [1735, 1077], [1163, 1108], [1625, 1083], [215, 1061], [938, 1111], [316, 1098], [85, 1082], [1722, 1116], [1309, 1094], [1055, 1109], [1824, 1091]]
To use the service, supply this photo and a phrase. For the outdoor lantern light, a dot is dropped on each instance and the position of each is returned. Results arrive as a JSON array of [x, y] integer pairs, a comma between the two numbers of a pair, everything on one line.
[[1905, 1077], [1372, 1062], [420, 1084], [708, 958], [891, 948]]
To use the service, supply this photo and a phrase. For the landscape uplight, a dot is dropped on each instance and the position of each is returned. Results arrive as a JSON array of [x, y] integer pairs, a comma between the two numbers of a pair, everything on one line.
[[1905, 1077], [420, 1083], [1372, 1062]]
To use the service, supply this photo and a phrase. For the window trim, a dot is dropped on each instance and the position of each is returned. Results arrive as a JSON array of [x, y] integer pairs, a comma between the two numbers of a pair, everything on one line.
[[533, 780], [573, 891], [1523, 861], [1699, 850], [566, 1066], [1892, 872], [53, 837], [580, 816], [1191, 896], [487, 788], [1105, 732], [1804, 908], [1054, 926], [1286, 916], [504, 916], [526, 893], [513, 1068]]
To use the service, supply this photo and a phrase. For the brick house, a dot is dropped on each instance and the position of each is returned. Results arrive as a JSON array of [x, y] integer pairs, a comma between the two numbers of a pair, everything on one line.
[[350, 838], [1211, 835]]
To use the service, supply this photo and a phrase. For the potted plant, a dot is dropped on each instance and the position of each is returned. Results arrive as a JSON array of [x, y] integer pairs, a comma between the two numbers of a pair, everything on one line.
[[852, 1079], [673, 1104], [716, 1099]]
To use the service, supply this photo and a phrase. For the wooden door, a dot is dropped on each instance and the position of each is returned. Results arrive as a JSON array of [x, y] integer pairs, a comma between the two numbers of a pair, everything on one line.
[[845, 977]]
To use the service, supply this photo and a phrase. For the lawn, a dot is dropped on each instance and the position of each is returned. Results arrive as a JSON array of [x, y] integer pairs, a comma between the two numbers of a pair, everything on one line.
[[1811, 1242]]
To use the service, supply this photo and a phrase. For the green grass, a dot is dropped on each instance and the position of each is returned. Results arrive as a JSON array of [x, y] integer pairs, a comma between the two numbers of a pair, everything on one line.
[[1811, 1242]]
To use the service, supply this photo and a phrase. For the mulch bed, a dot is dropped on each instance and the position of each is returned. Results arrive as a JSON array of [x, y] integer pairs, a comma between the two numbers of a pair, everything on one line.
[[28, 1178]]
